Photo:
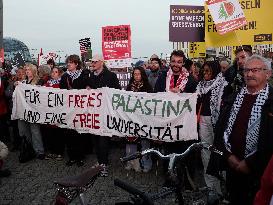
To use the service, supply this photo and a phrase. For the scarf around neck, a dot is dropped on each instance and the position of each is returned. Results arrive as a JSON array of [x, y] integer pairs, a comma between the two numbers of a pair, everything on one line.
[[52, 82], [136, 86], [181, 81], [253, 123], [74, 75], [216, 86]]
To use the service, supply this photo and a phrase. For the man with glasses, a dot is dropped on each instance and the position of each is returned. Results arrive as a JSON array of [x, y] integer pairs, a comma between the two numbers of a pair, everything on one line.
[[102, 77], [244, 132]]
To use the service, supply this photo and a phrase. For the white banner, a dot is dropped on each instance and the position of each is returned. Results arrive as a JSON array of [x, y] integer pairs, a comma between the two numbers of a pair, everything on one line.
[[106, 111], [119, 63]]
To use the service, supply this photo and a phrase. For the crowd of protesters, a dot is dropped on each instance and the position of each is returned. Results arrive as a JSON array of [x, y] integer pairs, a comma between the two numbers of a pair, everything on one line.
[[234, 112]]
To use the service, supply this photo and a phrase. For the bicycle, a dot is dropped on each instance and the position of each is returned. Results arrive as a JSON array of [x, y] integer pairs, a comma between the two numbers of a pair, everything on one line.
[[142, 198], [69, 188]]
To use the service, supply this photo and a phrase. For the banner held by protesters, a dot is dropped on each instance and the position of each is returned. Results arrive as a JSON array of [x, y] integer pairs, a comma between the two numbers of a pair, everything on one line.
[[106, 112]]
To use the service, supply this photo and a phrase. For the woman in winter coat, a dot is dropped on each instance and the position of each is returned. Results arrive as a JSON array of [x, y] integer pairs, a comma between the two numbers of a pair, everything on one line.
[[210, 92], [138, 83], [27, 129], [54, 135]]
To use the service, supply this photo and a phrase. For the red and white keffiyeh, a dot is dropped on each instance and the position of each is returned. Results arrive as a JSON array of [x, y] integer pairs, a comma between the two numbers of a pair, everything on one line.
[[181, 81]]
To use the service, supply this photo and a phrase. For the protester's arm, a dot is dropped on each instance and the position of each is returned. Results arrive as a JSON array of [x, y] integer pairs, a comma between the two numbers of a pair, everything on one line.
[[191, 85], [115, 82], [160, 85]]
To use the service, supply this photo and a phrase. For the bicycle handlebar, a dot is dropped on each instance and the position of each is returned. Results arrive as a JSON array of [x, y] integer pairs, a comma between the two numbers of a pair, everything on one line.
[[131, 157], [172, 157]]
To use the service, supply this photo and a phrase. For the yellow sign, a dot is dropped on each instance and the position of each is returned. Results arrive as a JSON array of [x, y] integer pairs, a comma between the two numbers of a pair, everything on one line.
[[197, 49], [258, 30]]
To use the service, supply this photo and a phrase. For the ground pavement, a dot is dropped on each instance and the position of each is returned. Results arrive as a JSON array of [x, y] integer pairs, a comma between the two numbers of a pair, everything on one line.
[[32, 182]]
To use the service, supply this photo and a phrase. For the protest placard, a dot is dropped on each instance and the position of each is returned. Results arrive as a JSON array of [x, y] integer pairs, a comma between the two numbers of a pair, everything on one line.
[[197, 50], [227, 15], [258, 30], [187, 23]]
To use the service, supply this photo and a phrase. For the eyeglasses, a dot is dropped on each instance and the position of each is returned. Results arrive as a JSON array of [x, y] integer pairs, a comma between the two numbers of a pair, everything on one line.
[[253, 70], [94, 61]]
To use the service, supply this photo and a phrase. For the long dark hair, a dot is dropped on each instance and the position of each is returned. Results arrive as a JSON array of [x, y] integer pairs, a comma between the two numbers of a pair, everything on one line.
[[214, 66], [144, 79]]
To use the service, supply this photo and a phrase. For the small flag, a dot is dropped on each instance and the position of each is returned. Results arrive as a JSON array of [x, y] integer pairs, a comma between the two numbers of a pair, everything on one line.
[[85, 44], [18, 61]]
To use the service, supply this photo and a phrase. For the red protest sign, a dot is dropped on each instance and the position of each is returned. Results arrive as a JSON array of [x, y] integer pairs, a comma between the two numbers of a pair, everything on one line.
[[116, 42]]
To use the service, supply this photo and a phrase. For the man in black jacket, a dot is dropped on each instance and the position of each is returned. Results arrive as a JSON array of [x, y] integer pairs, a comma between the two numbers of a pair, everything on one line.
[[244, 133], [102, 77], [234, 74], [177, 79]]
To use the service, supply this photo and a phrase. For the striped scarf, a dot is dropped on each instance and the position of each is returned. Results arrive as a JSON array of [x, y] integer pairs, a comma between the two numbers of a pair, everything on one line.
[[253, 123], [74, 75], [52, 82], [216, 86]]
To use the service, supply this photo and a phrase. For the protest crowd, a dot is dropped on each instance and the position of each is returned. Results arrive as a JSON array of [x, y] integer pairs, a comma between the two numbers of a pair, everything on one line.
[[234, 113]]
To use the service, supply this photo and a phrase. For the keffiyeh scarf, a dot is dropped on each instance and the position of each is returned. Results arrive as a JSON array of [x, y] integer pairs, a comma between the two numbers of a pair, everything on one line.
[[253, 123], [216, 86], [181, 81], [74, 75], [52, 82], [136, 86]]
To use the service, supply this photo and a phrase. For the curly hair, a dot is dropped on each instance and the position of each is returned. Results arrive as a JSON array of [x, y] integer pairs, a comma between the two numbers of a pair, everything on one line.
[[74, 59]]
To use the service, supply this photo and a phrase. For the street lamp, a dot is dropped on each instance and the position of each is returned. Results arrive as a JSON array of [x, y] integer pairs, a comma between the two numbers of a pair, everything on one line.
[[59, 55]]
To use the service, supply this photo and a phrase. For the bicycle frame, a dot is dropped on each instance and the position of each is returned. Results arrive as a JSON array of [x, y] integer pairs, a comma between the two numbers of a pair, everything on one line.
[[172, 169]]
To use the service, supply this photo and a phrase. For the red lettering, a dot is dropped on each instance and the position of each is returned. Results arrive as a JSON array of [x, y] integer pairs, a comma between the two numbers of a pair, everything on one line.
[[69, 100], [82, 100], [99, 99], [77, 100], [90, 99], [96, 121], [87, 120]]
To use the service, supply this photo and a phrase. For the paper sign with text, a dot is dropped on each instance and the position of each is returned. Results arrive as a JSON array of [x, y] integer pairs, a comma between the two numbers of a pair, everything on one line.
[[227, 15], [258, 30]]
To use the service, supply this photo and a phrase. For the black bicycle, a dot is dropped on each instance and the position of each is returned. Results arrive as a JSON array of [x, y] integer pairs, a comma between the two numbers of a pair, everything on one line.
[[139, 197], [69, 188]]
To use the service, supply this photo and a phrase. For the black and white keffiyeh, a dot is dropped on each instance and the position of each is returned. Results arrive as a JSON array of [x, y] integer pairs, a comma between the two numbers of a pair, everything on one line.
[[74, 75], [52, 82], [253, 123], [216, 86]]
